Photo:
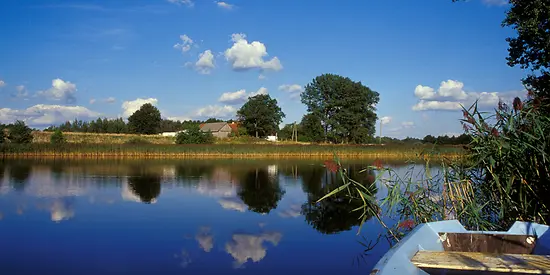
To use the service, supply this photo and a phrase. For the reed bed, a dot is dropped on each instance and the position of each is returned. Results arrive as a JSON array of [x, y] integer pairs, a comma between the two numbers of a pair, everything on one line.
[[79, 150]]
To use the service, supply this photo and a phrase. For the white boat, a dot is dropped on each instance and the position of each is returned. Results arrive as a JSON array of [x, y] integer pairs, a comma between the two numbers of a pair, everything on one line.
[[446, 247]]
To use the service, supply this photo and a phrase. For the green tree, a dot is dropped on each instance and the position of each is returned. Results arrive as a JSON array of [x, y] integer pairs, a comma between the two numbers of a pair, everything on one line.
[[530, 48], [344, 107], [311, 128], [146, 120], [193, 135], [212, 120], [2, 133], [261, 115], [20, 133], [57, 137], [260, 191]]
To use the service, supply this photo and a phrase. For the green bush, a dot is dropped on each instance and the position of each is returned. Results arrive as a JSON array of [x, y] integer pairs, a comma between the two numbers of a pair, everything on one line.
[[20, 133], [194, 135], [57, 137], [2, 133], [137, 141]]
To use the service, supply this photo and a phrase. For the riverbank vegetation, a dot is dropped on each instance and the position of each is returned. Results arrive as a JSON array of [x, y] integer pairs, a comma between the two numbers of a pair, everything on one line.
[[507, 172], [138, 149]]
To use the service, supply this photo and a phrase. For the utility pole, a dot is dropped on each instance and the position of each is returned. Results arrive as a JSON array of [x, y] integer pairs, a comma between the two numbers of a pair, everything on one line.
[[380, 137], [295, 132]]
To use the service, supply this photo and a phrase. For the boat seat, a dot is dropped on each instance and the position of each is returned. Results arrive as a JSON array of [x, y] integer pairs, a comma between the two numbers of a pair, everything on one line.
[[454, 262]]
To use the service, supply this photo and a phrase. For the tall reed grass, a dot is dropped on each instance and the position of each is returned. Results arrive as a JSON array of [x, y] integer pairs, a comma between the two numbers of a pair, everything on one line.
[[504, 176], [217, 150]]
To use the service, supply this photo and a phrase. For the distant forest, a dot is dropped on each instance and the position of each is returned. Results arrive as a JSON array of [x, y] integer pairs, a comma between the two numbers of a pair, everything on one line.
[[119, 126]]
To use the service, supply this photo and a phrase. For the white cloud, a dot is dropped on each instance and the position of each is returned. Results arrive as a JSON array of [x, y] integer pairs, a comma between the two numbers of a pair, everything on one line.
[[246, 247], [237, 97], [60, 90], [293, 89], [243, 55], [2, 83], [61, 210], [407, 124], [261, 77], [216, 111], [293, 211], [451, 89], [45, 115], [129, 107], [232, 204], [385, 120], [110, 100], [188, 3], [224, 5], [21, 92], [495, 2], [185, 44], [205, 64], [423, 105], [205, 239], [180, 118], [261, 91], [240, 96], [424, 92], [451, 95], [92, 101]]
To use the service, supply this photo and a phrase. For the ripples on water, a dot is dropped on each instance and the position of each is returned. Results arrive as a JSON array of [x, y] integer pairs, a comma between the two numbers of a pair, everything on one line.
[[179, 217]]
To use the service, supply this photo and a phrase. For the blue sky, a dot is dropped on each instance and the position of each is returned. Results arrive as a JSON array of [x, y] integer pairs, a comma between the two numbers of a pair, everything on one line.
[[202, 58]]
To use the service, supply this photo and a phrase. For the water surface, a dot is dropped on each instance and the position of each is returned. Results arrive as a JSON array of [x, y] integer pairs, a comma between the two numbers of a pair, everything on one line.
[[180, 217]]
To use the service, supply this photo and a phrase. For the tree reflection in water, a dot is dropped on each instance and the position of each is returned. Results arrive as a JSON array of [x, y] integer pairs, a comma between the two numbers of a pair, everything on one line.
[[260, 190], [2, 169], [145, 185], [334, 214], [19, 174]]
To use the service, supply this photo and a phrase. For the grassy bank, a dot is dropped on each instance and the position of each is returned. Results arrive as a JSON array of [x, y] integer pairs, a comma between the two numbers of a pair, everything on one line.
[[222, 150], [94, 138]]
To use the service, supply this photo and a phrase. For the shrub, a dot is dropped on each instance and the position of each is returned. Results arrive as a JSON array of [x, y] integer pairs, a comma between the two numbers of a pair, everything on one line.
[[511, 160], [194, 135], [20, 133], [57, 137], [2, 133], [137, 141]]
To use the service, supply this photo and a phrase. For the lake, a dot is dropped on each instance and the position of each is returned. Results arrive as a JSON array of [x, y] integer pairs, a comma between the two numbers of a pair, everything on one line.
[[180, 217]]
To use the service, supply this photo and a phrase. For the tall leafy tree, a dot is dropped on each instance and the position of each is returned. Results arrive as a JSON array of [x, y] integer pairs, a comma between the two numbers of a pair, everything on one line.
[[344, 107], [146, 120], [530, 49], [19, 132], [311, 128], [261, 115]]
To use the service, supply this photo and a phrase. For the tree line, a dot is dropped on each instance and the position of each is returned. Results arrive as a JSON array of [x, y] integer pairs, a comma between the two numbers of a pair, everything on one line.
[[340, 110]]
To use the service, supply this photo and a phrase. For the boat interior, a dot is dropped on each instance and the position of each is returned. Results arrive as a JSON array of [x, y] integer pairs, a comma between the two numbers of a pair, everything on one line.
[[484, 253]]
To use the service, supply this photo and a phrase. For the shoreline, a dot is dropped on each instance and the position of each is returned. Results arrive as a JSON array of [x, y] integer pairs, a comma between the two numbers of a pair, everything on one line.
[[226, 155], [228, 151]]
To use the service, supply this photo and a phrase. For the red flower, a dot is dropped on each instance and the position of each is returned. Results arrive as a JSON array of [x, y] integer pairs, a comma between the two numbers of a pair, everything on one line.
[[332, 166], [495, 132], [518, 104], [378, 164], [465, 114], [406, 224]]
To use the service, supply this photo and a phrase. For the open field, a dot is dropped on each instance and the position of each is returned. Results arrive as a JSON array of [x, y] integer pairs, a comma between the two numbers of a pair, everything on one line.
[[94, 138]]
